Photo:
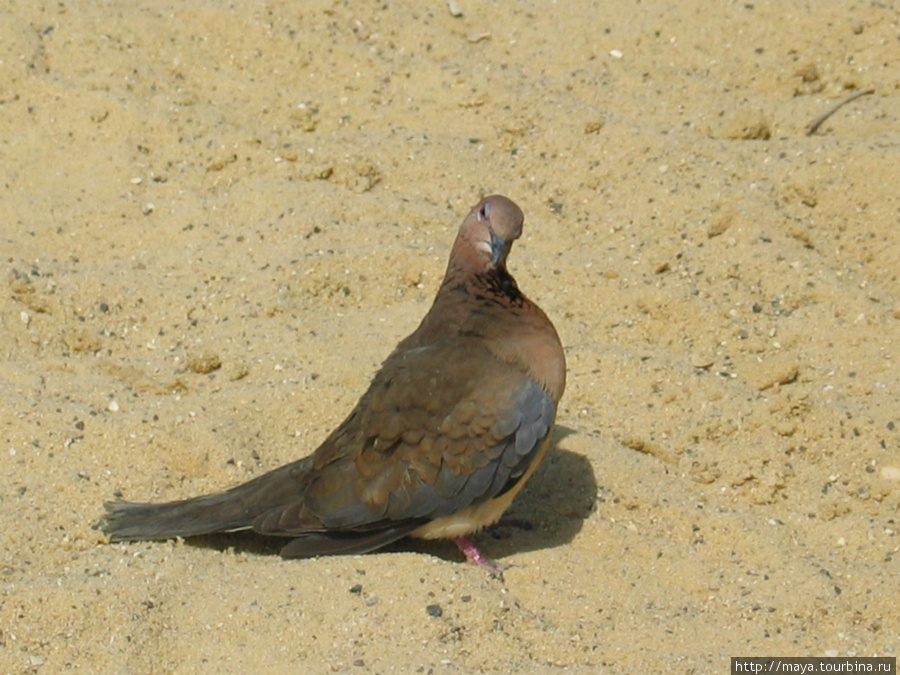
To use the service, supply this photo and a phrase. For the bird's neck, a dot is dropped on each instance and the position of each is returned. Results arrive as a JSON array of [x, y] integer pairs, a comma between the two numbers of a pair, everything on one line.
[[487, 283], [490, 305], [500, 284]]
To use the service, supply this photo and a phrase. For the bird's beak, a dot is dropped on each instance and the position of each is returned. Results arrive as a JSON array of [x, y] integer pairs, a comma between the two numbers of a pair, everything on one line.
[[499, 250]]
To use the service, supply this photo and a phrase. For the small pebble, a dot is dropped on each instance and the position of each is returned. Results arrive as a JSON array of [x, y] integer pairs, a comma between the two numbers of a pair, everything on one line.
[[205, 364], [616, 53], [890, 472], [113, 406], [702, 361], [831, 653], [434, 610]]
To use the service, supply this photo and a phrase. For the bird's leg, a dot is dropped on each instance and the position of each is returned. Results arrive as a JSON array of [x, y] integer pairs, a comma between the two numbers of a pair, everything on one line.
[[476, 557]]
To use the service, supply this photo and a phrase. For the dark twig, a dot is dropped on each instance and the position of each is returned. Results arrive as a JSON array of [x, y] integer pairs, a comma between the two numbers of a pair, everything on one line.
[[813, 126]]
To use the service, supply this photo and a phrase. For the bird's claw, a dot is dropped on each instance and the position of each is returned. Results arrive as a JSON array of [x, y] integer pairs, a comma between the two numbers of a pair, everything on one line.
[[474, 556]]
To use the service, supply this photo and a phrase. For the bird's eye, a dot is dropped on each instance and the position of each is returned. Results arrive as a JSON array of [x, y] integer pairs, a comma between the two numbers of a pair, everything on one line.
[[484, 213]]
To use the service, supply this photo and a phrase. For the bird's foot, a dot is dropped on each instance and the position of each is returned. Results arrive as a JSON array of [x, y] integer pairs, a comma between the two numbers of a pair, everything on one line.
[[475, 557]]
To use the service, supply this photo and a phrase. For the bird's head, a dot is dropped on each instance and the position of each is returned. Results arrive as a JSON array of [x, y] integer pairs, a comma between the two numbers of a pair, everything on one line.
[[488, 232]]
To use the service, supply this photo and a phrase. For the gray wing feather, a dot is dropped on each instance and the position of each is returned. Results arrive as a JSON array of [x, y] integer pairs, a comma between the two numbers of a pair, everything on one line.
[[525, 428]]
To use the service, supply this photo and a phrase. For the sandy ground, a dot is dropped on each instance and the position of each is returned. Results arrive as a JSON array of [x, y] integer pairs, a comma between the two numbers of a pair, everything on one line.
[[217, 218]]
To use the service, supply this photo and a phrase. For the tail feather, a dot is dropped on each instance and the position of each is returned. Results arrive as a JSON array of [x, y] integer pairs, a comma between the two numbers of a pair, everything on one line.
[[237, 509], [227, 511]]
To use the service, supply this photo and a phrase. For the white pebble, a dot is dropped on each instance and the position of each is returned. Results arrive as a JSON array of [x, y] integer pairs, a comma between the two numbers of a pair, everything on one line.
[[616, 53], [890, 472], [113, 406], [831, 653], [26, 319]]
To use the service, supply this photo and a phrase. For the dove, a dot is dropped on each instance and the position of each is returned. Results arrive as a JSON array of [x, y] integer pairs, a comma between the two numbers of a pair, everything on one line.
[[451, 427]]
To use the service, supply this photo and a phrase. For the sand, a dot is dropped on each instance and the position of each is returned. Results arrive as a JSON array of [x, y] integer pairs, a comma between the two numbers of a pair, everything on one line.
[[218, 218]]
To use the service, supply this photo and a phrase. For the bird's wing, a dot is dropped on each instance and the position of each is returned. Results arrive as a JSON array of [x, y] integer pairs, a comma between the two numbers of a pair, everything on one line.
[[441, 428]]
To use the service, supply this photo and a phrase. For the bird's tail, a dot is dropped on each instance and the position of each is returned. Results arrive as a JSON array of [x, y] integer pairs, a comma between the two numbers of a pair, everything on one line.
[[227, 511]]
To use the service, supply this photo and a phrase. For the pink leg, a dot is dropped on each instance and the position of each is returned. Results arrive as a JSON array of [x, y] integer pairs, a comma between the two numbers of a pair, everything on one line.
[[476, 557]]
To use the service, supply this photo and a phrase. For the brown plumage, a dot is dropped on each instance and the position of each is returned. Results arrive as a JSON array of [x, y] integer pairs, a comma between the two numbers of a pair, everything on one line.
[[451, 427]]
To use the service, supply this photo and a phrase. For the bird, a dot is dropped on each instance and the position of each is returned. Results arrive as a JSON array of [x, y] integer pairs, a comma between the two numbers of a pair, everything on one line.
[[453, 424]]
